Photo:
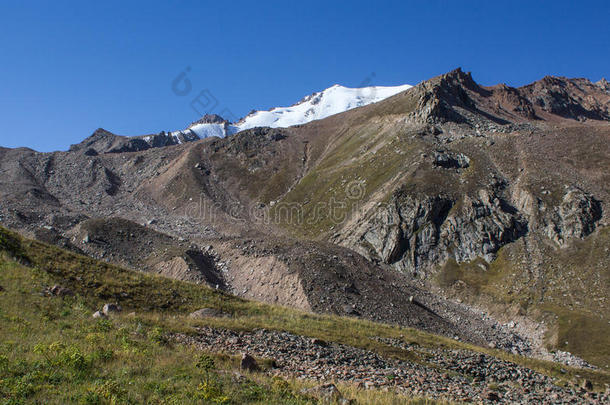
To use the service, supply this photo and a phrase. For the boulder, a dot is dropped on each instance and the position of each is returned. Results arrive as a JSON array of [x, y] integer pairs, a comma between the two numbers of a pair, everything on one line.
[[248, 363], [491, 395], [112, 308], [98, 314], [318, 342], [350, 310], [60, 291], [207, 313], [326, 393], [450, 160]]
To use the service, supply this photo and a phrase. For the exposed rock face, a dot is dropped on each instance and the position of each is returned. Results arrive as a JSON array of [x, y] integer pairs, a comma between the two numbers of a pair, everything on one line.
[[450, 160], [575, 217], [439, 97], [211, 119], [569, 98], [455, 97], [416, 232]]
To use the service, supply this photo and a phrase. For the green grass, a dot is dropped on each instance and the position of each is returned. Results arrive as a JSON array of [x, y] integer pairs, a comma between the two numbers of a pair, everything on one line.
[[52, 351], [570, 293], [369, 156]]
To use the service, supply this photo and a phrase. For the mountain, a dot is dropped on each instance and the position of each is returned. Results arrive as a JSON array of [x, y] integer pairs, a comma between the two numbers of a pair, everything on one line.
[[475, 212], [333, 100]]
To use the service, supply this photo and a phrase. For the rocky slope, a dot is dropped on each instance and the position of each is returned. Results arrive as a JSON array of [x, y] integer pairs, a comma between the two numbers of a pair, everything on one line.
[[471, 211], [454, 375]]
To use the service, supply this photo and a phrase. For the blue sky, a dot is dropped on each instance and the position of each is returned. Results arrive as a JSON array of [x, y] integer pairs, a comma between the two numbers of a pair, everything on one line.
[[69, 67]]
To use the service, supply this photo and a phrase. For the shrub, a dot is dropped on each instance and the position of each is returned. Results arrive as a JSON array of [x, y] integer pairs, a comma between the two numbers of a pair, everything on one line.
[[156, 335]]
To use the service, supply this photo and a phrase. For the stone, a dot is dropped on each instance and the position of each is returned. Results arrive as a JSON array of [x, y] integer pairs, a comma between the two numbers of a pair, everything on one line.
[[248, 363], [450, 160], [207, 313], [98, 314], [576, 217], [491, 395], [318, 342], [350, 310], [60, 291], [111, 309], [326, 393]]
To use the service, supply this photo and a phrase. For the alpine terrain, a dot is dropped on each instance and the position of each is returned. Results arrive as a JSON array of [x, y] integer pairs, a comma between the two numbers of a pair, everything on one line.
[[442, 242]]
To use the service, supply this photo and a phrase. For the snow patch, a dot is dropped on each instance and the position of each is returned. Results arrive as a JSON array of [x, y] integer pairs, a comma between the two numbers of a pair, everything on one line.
[[334, 100], [331, 101]]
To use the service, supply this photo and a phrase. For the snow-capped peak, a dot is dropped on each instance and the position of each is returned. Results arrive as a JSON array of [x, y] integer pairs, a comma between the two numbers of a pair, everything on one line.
[[333, 100]]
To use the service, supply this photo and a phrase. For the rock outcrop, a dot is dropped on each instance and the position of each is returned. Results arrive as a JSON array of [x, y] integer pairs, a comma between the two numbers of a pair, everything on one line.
[[416, 232], [575, 217]]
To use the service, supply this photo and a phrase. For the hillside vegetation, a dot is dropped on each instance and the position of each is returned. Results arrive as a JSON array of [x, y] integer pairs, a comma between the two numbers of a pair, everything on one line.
[[53, 351]]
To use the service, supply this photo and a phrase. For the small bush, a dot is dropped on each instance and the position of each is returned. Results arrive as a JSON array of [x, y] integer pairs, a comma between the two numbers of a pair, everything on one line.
[[158, 336]]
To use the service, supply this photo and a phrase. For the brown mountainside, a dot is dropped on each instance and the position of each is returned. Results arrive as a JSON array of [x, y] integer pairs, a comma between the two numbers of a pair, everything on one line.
[[471, 211]]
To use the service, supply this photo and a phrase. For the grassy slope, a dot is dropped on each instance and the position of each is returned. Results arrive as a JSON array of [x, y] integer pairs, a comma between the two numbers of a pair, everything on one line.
[[367, 158], [570, 293], [53, 350]]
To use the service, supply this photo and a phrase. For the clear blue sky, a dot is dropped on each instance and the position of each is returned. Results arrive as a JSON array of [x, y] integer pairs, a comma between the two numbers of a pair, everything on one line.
[[69, 67]]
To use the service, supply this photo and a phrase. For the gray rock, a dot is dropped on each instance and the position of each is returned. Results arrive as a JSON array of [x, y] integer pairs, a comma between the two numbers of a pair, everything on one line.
[[60, 291], [491, 396], [418, 231], [99, 314], [350, 310], [207, 313], [326, 393], [575, 217], [110, 309], [450, 160]]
